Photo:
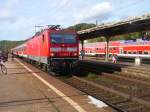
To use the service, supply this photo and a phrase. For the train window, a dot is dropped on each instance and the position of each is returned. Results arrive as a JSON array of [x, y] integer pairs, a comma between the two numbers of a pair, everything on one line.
[[43, 38], [125, 52], [134, 52], [140, 52], [114, 48], [129, 52], [145, 52], [97, 49]]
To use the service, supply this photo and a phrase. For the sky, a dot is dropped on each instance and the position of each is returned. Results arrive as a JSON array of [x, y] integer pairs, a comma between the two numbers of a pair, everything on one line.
[[18, 17]]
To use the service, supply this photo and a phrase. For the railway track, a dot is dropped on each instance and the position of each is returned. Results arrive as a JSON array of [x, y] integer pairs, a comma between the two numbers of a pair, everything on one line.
[[135, 88], [118, 100]]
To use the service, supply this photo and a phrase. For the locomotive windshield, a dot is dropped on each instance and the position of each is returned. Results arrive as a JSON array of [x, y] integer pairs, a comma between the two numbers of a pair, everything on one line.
[[63, 38]]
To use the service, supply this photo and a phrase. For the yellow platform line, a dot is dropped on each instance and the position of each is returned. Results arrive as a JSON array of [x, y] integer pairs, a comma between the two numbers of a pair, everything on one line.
[[66, 98]]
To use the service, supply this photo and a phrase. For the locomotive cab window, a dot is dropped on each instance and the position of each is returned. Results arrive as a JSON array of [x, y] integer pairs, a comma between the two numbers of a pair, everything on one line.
[[63, 38]]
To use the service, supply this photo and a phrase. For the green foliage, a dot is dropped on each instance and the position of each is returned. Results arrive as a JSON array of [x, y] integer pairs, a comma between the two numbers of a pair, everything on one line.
[[91, 75], [81, 26], [97, 39], [6, 45], [127, 36]]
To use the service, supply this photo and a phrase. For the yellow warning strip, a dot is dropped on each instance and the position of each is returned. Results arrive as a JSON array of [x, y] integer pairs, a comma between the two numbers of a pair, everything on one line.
[[69, 100]]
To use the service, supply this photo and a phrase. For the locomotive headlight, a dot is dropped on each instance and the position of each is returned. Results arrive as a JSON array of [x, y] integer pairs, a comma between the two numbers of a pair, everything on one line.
[[75, 54], [52, 54]]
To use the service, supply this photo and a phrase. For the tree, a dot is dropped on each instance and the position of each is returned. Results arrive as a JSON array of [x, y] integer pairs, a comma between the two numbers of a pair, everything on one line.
[[81, 26], [6, 45]]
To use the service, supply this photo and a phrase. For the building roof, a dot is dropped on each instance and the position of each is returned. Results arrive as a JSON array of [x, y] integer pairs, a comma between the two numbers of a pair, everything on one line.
[[134, 24]]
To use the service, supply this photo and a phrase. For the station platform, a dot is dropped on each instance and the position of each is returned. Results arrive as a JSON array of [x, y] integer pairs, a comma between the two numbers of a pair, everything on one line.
[[97, 59], [120, 62], [28, 89]]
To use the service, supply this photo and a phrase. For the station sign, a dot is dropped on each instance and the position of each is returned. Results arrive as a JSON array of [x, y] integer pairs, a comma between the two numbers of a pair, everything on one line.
[[146, 36], [131, 41]]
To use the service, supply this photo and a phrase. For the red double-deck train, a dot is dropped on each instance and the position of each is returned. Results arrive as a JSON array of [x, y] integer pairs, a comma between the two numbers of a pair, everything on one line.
[[54, 48], [125, 48]]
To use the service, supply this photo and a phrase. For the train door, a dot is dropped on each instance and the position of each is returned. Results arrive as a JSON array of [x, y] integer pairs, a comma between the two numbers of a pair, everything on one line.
[[120, 50]]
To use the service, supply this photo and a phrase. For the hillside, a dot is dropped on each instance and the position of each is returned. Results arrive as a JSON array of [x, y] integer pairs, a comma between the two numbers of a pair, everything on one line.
[[83, 26], [6, 45]]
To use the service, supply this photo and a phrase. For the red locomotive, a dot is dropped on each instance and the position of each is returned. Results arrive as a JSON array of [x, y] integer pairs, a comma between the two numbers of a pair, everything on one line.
[[124, 48], [54, 48]]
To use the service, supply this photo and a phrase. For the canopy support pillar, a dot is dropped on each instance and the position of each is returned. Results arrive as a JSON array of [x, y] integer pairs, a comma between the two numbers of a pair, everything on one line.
[[107, 48]]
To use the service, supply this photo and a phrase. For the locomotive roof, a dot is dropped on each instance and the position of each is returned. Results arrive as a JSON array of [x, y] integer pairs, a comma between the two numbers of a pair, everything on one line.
[[44, 30]]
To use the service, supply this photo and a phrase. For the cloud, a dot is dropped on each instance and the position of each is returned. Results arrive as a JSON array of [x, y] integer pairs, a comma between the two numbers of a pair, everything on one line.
[[63, 3], [9, 19], [6, 13], [101, 11]]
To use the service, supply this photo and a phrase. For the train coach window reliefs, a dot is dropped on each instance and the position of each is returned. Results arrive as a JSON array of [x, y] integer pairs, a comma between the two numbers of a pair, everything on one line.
[[140, 52], [125, 52], [134, 52], [145, 52], [43, 38], [129, 52], [114, 48]]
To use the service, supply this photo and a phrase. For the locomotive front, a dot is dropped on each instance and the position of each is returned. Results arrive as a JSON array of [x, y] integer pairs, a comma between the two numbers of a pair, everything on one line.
[[63, 51]]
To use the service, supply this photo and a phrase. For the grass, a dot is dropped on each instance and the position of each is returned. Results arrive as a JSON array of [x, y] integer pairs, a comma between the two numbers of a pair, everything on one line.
[[92, 75], [102, 79]]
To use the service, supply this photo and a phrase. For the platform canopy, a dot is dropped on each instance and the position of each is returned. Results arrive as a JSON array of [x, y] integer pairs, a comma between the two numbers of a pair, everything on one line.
[[135, 24]]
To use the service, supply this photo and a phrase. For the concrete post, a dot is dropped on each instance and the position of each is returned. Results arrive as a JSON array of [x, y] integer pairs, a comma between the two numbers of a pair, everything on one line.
[[107, 48], [138, 61]]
